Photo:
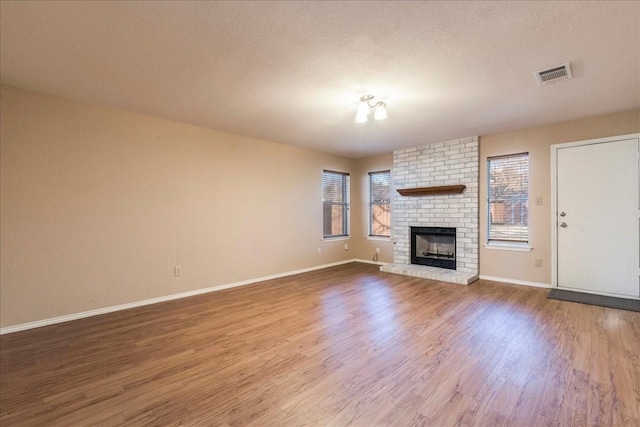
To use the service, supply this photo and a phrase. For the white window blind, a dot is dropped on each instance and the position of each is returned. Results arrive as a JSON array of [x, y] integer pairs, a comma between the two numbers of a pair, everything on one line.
[[380, 203], [335, 201], [508, 198]]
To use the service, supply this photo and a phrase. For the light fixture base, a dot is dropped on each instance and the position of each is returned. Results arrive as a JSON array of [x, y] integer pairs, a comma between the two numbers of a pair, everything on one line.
[[366, 98]]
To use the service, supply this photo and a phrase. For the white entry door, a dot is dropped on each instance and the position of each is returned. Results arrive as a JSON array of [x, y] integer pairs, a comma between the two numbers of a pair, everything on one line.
[[597, 218]]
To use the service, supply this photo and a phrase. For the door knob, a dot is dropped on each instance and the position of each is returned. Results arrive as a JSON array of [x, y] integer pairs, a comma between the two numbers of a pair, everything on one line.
[[563, 225], [563, 214]]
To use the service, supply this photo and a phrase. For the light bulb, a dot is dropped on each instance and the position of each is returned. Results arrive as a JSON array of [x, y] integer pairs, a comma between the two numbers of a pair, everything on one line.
[[363, 112], [381, 111], [363, 109]]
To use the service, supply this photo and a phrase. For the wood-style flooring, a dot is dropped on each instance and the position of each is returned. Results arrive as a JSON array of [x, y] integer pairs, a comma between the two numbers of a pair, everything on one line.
[[342, 346]]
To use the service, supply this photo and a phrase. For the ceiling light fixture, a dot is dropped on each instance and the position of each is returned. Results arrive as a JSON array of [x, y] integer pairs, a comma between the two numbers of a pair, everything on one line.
[[365, 107]]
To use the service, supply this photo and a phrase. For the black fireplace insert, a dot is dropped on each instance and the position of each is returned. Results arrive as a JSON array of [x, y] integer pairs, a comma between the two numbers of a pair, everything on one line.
[[434, 246]]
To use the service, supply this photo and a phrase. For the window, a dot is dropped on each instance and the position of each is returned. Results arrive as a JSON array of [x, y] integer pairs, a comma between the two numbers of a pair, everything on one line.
[[379, 204], [509, 198], [335, 204]]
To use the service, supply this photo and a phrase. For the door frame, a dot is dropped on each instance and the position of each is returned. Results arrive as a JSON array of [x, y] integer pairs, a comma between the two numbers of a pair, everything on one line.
[[554, 194]]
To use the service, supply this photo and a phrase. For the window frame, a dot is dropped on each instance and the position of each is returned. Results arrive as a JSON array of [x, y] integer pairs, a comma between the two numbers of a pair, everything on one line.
[[372, 204], [508, 243], [346, 204]]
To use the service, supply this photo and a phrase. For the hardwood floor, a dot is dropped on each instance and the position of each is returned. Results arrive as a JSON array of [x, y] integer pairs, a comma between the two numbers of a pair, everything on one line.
[[347, 345]]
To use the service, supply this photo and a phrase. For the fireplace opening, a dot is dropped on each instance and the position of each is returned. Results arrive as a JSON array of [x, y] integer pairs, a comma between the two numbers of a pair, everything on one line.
[[434, 246]]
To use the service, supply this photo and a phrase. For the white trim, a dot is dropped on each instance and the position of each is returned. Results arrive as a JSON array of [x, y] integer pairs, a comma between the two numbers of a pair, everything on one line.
[[335, 239], [516, 282], [508, 247], [380, 238], [105, 310], [596, 140], [366, 261], [554, 216]]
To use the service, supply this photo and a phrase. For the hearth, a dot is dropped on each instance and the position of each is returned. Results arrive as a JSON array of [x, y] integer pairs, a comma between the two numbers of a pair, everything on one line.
[[434, 246]]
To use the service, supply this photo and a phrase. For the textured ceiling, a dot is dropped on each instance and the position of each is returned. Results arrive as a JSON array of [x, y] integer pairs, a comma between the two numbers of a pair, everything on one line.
[[292, 72]]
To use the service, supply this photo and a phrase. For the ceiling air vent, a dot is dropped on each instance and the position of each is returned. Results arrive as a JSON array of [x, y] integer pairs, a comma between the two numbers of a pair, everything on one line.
[[555, 74]]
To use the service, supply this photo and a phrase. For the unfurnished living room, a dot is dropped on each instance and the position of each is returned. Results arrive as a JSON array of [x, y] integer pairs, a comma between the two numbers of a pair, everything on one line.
[[320, 213]]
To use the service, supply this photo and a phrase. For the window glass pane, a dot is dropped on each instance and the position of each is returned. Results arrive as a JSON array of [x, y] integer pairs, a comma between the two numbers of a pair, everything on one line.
[[335, 200], [332, 187], [380, 220], [379, 204], [509, 198], [380, 186]]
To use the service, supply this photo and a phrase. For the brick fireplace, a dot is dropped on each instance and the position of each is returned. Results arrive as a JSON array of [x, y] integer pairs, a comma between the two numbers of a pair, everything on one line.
[[446, 163]]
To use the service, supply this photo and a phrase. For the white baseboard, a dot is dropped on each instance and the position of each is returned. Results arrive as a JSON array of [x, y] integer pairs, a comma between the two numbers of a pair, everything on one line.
[[90, 313], [516, 282], [366, 261]]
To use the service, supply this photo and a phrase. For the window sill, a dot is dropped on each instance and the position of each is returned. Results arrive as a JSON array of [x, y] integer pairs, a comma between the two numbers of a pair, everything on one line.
[[518, 247], [335, 239], [381, 238]]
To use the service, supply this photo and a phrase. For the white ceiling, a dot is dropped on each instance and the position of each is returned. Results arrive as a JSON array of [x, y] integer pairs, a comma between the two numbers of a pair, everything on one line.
[[292, 72]]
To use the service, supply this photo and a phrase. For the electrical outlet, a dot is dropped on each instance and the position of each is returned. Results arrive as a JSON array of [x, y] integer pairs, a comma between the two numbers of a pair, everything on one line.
[[319, 250], [538, 262], [377, 250], [346, 246], [177, 270], [538, 201]]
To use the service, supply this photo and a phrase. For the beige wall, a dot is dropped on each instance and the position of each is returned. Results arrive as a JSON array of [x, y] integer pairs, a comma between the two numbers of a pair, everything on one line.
[[537, 142], [365, 247], [98, 206]]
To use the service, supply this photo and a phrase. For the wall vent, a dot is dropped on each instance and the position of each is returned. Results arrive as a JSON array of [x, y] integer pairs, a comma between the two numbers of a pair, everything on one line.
[[553, 75]]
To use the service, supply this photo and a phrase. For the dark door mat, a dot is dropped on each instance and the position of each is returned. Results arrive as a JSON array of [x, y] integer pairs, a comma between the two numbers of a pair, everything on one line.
[[601, 300]]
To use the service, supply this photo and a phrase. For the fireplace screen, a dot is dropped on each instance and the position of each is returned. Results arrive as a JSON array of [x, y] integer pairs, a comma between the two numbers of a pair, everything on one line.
[[434, 246]]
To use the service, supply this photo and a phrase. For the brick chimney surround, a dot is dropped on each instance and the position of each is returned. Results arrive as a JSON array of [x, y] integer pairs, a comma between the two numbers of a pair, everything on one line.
[[446, 163]]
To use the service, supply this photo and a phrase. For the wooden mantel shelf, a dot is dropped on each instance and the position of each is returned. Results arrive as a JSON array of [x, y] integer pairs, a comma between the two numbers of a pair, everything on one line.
[[425, 191]]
